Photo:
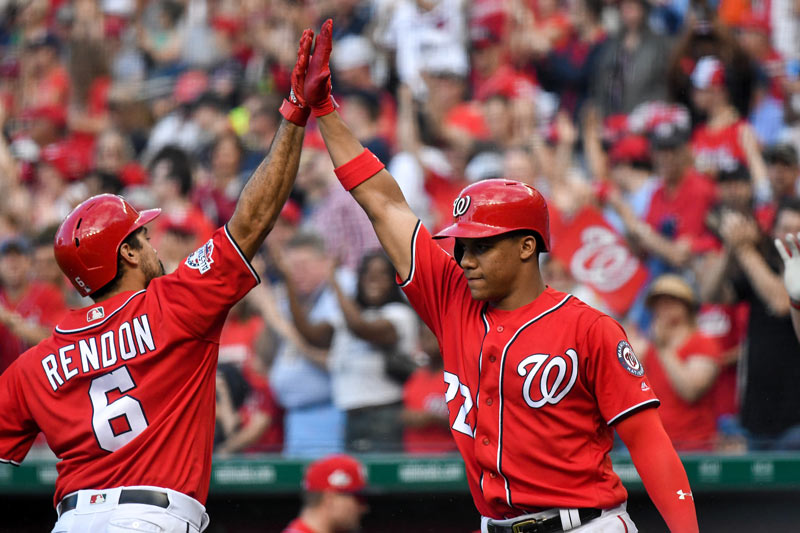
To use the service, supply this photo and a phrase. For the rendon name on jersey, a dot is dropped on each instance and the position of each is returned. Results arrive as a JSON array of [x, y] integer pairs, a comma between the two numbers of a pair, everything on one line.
[[532, 393], [124, 390]]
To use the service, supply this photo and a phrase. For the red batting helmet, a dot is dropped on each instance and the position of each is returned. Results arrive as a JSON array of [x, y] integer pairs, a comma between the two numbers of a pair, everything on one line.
[[492, 207], [88, 240]]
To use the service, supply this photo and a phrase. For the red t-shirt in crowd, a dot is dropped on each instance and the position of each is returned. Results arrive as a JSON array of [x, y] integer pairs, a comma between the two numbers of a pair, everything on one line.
[[682, 211], [727, 324], [424, 391], [691, 426], [261, 399], [717, 150], [42, 303], [124, 390]]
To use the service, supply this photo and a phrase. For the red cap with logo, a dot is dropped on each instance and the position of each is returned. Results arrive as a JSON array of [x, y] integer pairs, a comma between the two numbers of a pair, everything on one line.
[[338, 473]]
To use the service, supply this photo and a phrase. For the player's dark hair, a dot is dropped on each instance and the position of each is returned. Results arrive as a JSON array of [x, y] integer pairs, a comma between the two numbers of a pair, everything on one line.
[[392, 295], [525, 233], [133, 242]]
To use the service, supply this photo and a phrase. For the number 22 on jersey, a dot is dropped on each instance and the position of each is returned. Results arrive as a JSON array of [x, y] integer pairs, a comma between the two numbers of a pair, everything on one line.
[[454, 387]]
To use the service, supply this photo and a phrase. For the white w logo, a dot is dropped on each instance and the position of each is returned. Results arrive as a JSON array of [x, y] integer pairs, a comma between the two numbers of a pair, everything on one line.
[[548, 392], [461, 205]]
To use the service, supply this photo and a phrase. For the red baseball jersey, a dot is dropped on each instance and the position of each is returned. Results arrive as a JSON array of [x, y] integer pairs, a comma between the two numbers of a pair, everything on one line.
[[718, 150], [532, 393], [124, 390]]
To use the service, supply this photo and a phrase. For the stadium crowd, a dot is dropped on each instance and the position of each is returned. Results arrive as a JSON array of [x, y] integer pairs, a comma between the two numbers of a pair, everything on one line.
[[664, 134]]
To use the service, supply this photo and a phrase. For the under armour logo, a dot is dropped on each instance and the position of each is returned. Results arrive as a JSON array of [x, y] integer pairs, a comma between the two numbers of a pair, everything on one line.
[[682, 495], [461, 205], [645, 387]]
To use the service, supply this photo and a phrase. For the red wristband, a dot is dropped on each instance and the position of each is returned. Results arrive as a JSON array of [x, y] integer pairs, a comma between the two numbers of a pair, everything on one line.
[[294, 113], [329, 107], [358, 170], [794, 303]]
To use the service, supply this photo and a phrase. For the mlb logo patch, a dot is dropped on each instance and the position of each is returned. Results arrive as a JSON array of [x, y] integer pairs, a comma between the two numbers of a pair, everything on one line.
[[95, 313], [97, 498], [201, 258]]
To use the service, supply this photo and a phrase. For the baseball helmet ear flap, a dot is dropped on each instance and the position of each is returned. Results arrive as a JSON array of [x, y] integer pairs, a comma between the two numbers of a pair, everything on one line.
[[88, 240], [458, 251]]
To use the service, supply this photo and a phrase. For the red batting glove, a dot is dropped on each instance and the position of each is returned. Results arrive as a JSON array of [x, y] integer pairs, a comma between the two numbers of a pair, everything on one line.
[[295, 108], [318, 81]]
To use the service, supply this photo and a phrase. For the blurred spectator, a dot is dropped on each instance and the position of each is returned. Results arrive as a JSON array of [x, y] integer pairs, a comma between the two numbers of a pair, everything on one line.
[[28, 308], [361, 110], [331, 211], [783, 170], [163, 43], [312, 424], [748, 270], [630, 66], [675, 218], [376, 326], [425, 417], [332, 496], [426, 36], [567, 70], [724, 141], [178, 126], [682, 365], [113, 154], [705, 36], [222, 181], [247, 345], [45, 81], [492, 72]]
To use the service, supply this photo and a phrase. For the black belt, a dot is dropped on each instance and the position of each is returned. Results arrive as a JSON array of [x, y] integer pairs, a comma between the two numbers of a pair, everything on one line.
[[543, 525], [146, 497]]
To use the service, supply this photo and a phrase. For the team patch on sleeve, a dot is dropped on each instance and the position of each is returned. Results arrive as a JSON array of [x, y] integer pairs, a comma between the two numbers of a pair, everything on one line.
[[201, 258], [628, 359]]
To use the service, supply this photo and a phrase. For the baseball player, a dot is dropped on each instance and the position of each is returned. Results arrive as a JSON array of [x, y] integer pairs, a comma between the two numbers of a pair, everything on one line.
[[536, 380], [332, 500], [123, 390], [791, 275]]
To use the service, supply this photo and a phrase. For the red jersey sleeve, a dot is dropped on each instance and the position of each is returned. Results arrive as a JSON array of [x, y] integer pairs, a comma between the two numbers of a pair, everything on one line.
[[17, 427], [199, 294], [614, 373], [435, 282]]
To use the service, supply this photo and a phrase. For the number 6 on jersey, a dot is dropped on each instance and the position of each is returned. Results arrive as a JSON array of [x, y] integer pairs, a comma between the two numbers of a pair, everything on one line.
[[103, 412]]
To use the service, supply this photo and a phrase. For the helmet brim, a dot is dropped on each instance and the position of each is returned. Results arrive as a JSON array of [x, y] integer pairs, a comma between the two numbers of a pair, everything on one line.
[[148, 215], [470, 230]]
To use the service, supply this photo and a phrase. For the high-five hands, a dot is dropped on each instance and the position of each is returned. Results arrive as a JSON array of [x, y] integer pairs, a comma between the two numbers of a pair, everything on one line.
[[295, 109]]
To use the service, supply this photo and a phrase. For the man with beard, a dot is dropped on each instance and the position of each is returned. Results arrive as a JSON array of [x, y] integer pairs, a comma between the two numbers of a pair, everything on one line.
[[124, 388]]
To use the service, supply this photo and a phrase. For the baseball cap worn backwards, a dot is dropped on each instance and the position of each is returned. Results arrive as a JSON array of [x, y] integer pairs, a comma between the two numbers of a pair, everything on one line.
[[338, 473]]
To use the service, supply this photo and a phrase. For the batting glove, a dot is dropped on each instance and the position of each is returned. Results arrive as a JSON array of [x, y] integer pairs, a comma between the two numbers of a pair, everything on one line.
[[791, 261], [295, 109], [318, 82]]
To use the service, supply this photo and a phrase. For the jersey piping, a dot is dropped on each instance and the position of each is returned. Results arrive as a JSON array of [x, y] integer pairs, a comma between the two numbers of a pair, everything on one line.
[[631, 409], [500, 392], [8, 462], [241, 254], [106, 319], [413, 255]]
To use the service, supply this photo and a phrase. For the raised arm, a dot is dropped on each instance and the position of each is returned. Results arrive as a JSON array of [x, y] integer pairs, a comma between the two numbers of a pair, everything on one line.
[[269, 186], [372, 186]]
